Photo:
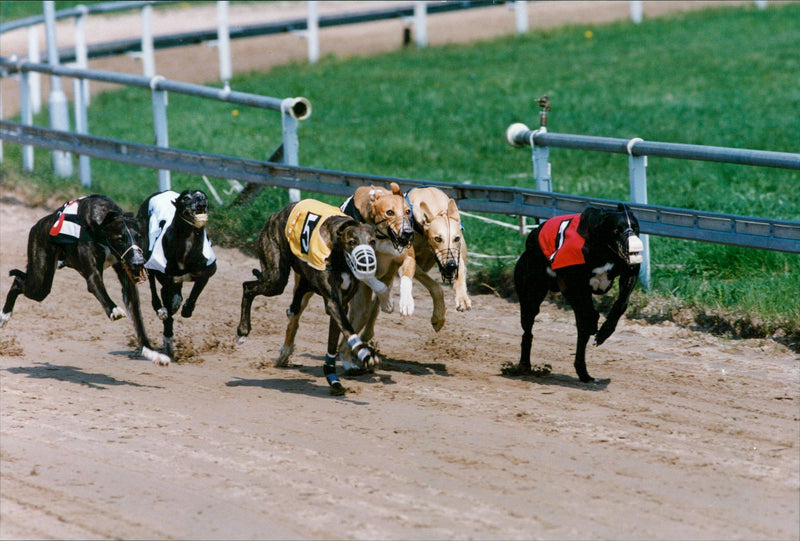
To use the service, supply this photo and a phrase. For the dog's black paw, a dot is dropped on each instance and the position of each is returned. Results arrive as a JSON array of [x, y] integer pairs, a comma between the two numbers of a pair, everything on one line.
[[337, 389], [187, 310], [510, 369]]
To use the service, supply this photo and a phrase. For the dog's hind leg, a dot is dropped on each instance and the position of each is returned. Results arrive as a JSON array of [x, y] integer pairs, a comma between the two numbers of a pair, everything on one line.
[[271, 281], [531, 285], [17, 287], [302, 294]]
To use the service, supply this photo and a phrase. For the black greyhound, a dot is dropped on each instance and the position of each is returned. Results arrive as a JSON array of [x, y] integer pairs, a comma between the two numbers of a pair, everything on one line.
[[327, 250], [580, 255], [178, 250], [87, 234]]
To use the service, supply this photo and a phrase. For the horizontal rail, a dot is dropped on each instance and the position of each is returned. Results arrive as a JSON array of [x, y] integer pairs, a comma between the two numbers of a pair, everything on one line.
[[104, 7], [764, 233], [298, 107], [520, 135], [165, 41]]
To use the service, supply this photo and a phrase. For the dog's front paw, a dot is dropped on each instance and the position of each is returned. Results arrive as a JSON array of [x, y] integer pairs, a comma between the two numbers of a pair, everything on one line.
[[4, 317], [387, 304], [463, 304], [117, 313], [283, 357], [162, 313], [406, 300], [188, 309]]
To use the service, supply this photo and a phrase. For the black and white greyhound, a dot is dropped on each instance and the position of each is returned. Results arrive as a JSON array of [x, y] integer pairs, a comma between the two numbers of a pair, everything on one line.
[[579, 255], [89, 235], [178, 250]]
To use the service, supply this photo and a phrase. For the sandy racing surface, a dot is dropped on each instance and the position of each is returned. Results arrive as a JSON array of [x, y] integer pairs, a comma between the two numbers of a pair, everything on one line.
[[694, 437]]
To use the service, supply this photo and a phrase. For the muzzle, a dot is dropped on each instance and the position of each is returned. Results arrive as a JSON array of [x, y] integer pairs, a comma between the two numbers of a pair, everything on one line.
[[362, 262], [404, 239], [200, 220], [635, 249], [448, 269], [138, 260]]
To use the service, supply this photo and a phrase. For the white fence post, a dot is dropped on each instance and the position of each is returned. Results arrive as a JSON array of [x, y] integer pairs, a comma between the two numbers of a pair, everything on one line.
[[160, 126], [313, 31], [35, 81], [81, 50], [57, 102], [521, 16], [148, 54], [637, 170], [81, 127], [636, 11], [420, 24], [290, 142], [224, 43], [26, 116]]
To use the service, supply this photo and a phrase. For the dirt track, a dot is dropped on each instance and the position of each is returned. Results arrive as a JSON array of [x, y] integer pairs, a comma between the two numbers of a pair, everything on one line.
[[695, 436]]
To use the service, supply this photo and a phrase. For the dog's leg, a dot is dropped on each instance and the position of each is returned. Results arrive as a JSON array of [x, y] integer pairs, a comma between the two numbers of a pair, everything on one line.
[[197, 288], [407, 269], [17, 287], [37, 281], [329, 368], [302, 294], [130, 296], [155, 300], [531, 284], [338, 314], [578, 293], [626, 285], [463, 302], [88, 261], [437, 295], [272, 280]]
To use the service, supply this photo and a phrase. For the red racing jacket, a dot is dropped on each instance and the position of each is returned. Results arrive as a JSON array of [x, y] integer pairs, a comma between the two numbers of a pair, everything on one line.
[[560, 241]]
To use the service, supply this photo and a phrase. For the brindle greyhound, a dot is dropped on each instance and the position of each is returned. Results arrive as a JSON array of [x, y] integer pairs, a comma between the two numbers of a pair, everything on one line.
[[88, 235], [580, 255], [178, 250], [327, 250]]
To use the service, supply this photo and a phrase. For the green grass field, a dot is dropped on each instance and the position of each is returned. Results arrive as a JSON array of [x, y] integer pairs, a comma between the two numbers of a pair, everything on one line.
[[722, 77]]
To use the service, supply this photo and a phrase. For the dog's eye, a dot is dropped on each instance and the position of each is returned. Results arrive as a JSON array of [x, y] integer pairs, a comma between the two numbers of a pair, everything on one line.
[[408, 212], [456, 239], [390, 212], [437, 238]]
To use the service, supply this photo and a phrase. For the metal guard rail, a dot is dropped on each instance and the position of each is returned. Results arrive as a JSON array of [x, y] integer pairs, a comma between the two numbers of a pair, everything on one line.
[[768, 234], [165, 41]]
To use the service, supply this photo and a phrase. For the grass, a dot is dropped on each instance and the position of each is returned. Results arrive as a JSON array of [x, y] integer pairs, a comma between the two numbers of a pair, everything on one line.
[[723, 77]]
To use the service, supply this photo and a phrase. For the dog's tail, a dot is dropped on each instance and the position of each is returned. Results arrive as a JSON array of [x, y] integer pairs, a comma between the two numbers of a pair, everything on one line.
[[18, 273]]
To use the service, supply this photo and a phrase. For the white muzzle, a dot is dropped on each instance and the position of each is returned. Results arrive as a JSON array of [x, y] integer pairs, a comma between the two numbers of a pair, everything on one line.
[[635, 249], [362, 262]]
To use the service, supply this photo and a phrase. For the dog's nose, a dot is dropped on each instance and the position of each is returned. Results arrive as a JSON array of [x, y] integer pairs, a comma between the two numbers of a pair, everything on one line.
[[451, 266]]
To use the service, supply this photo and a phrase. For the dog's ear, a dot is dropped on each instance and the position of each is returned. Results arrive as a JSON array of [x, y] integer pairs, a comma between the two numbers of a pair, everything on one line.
[[340, 225], [590, 221], [425, 211], [452, 211], [395, 189]]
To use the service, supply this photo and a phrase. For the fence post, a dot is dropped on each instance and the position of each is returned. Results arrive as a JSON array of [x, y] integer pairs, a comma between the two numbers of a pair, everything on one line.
[[81, 127], [224, 43], [81, 51], [290, 142], [637, 169], [636, 11], [57, 101], [26, 115], [148, 56], [420, 25], [35, 86], [160, 126], [541, 154], [313, 31], [521, 16]]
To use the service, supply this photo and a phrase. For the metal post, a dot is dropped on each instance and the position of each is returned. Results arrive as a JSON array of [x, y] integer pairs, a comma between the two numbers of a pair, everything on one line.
[[160, 126], [224, 43], [26, 115], [57, 102], [35, 81], [81, 127], [541, 154], [420, 25], [521, 16], [148, 56], [637, 169], [81, 51], [636, 11], [290, 143], [313, 31]]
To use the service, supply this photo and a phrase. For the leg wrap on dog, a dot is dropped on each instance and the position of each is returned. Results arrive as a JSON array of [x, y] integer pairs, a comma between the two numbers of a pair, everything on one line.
[[329, 369], [357, 346]]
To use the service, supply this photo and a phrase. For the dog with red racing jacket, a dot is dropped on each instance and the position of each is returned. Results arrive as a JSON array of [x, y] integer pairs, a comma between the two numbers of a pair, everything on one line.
[[579, 255]]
